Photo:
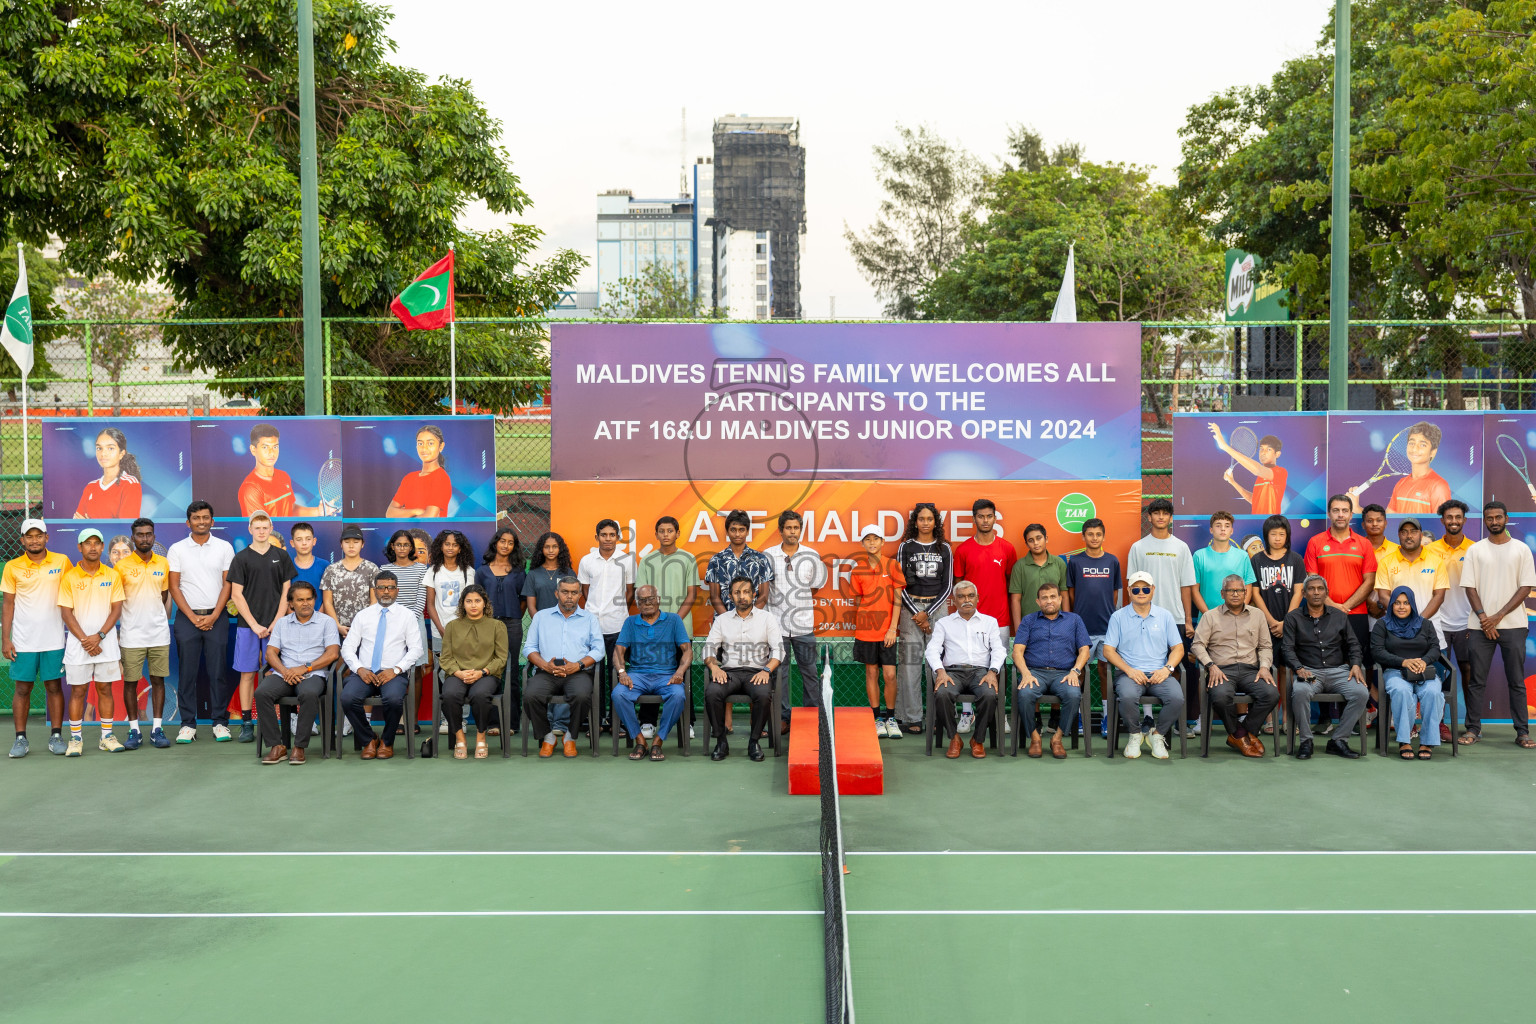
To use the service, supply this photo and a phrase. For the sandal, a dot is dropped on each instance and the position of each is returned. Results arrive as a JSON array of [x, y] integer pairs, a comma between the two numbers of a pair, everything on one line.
[[1405, 751], [1524, 740], [481, 750], [638, 753], [1468, 738], [1426, 753], [656, 752], [459, 751]]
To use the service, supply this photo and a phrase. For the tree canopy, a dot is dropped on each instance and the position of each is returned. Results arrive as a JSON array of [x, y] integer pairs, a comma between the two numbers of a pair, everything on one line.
[[160, 139]]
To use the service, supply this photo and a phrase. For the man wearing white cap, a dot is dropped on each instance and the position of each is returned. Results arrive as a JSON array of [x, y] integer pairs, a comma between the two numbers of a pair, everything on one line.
[[32, 632], [90, 602], [1145, 645]]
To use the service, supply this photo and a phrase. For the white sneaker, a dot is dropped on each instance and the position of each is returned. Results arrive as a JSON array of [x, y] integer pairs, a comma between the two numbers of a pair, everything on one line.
[[690, 733], [442, 727], [293, 722], [1007, 725], [1133, 745], [221, 733], [880, 728], [186, 735], [1194, 728], [892, 730], [1159, 748], [346, 726], [967, 722]]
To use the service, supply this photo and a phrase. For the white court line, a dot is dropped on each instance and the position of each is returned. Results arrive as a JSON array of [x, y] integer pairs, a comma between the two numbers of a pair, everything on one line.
[[1186, 912], [415, 913], [418, 853], [1191, 853]]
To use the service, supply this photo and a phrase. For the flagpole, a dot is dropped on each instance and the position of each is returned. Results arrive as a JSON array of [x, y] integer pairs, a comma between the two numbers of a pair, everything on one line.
[[453, 357], [26, 460]]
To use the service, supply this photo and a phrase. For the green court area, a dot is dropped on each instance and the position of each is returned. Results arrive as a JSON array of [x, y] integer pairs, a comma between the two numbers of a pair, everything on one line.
[[596, 889]]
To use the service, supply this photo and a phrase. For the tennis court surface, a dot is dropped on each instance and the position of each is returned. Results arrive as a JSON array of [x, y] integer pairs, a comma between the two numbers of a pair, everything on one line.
[[194, 883]]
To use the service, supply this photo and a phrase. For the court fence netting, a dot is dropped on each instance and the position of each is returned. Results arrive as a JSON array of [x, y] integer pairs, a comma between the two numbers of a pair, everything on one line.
[[834, 903]]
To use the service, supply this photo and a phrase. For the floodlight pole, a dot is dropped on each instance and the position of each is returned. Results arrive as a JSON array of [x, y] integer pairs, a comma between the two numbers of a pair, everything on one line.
[[309, 215], [1338, 295]]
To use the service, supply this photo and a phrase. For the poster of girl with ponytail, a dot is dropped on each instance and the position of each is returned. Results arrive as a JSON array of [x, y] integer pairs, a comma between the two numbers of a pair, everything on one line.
[[115, 468]]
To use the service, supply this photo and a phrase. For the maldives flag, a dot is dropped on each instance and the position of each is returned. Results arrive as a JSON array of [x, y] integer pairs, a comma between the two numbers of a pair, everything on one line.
[[427, 302]]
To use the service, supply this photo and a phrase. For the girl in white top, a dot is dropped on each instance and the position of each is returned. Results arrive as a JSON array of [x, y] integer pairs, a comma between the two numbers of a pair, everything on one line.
[[451, 570]]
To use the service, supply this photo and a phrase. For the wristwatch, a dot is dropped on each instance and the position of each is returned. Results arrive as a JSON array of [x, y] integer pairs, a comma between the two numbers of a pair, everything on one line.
[[102, 635]]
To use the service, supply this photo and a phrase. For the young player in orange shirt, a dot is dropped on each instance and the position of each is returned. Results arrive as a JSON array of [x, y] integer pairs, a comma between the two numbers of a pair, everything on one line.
[[872, 586]]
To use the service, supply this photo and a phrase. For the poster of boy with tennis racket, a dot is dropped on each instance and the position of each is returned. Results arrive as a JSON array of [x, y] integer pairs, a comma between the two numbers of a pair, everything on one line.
[[1409, 462], [1255, 463], [236, 466], [1510, 441]]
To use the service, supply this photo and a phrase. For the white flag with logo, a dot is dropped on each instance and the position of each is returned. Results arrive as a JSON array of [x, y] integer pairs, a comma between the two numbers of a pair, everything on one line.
[[1066, 299], [16, 334]]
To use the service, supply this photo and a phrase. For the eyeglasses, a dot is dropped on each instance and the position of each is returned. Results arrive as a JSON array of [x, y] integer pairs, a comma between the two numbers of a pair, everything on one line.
[[1141, 590]]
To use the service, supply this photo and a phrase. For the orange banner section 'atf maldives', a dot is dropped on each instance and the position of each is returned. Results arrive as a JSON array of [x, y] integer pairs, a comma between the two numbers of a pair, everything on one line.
[[835, 513]]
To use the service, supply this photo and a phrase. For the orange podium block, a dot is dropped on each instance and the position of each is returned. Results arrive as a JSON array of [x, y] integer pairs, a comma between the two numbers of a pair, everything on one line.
[[860, 768]]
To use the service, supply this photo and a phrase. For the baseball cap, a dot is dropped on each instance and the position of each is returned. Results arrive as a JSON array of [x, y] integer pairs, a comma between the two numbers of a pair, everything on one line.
[[874, 529], [1409, 522], [258, 514], [28, 525], [1141, 576], [87, 534], [351, 531]]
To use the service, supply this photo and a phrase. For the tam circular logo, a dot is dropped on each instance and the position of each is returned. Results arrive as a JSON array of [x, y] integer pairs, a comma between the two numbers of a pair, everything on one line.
[[1073, 511]]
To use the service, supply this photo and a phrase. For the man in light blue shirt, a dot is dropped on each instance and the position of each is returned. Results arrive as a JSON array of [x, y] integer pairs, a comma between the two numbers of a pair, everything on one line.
[[564, 645], [302, 646], [1145, 645]]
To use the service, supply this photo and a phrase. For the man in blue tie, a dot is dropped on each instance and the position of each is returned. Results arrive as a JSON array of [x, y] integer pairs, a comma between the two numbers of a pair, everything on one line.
[[564, 645], [382, 646]]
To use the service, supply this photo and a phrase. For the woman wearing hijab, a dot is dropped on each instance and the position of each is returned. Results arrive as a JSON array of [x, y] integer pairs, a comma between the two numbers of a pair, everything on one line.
[[1406, 647]]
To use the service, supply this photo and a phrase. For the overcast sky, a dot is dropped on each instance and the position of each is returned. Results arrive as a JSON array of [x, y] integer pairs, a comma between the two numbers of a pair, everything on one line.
[[591, 96]]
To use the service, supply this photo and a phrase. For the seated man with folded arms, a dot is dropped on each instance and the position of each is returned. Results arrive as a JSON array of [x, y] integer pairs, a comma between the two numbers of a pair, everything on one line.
[[564, 645], [302, 646], [1145, 645], [383, 645], [966, 654], [743, 650], [1319, 644], [1232, 642], [1050, 650], [651, 658]]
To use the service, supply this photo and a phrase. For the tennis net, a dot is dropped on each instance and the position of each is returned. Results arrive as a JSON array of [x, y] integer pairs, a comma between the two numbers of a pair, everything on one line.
[[834, 907]]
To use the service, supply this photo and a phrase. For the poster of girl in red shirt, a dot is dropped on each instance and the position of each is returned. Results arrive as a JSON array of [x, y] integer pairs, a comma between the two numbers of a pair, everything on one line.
[[410, 468], [116, 468]]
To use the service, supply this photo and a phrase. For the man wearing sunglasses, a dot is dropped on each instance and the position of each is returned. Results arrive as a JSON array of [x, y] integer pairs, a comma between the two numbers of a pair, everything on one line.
[[1145, 645]]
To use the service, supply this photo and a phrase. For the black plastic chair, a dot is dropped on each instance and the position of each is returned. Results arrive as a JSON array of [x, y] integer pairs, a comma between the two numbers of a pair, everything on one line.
[[1050, 700], [526, 723], [1206, 721], [1384, 710], [681, 728], [323, 726], [407, 713], [772, 728], [931, 723], [502, 701], [1324, 698], [1145, 700]]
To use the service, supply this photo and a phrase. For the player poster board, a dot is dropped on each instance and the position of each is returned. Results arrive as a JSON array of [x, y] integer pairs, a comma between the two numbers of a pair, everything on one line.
[[1408, 462], [835, 512], [419, 467], [286, 466], [1247, 463], [116, 468], [1509, 439]]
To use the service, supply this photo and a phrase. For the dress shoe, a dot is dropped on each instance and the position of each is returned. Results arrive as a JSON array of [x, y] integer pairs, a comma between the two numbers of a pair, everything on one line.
[[296, 755], [569, 748], [1034, 745], [722, 750], [1058, 751], [385, 753], [1254, 745], [1237, 744], [371, 751], [784, 728], [754, 752], [954, 747], [1303, 750], [546, 749], [978, 749], [275, 755], [1341, 748]]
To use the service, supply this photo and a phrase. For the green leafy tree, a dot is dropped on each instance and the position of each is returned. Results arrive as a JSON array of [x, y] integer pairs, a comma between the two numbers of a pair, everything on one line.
[[657, 293], [161, 140], [1138, 258], [931, 188], [114, 344]]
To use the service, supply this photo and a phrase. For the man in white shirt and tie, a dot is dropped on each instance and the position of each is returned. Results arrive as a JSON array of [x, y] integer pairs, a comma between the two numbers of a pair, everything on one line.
[[382, 646], [966, 654]]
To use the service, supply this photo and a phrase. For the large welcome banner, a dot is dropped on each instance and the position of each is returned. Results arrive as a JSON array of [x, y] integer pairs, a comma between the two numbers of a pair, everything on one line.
[[847, 424]]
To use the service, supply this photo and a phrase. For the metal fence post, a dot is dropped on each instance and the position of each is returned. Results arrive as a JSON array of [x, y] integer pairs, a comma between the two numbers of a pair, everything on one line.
[[90, 384], [330, 406], [1299, 385]]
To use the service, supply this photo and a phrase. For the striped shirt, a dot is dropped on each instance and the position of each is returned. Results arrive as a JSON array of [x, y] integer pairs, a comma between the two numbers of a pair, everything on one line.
[[413, 594]]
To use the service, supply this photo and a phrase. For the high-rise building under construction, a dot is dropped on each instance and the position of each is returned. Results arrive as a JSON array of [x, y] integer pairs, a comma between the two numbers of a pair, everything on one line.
[[759, 216]]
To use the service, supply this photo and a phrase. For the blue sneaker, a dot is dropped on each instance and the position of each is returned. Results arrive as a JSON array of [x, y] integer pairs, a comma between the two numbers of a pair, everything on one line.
[[21, 747], [134, 740], [56, 744], [158, 738]]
